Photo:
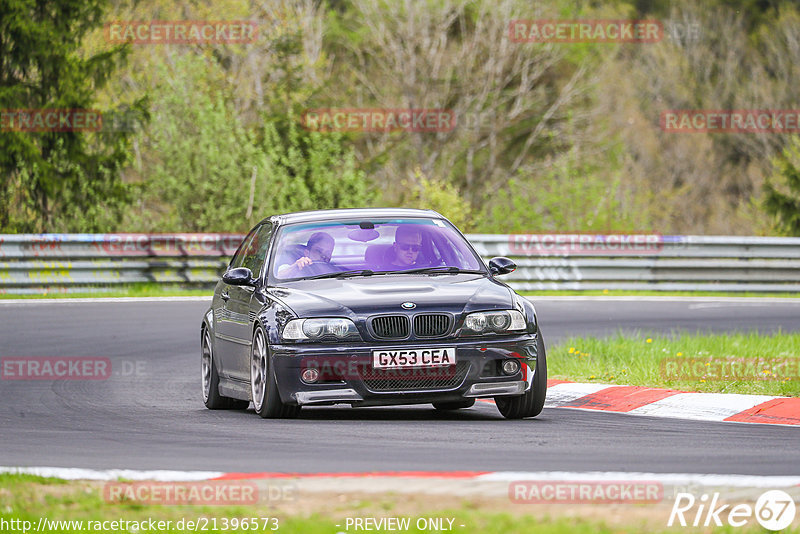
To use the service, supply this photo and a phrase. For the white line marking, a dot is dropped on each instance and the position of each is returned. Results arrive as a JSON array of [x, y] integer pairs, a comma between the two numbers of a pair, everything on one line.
[[766, 300], [561, 394], [731, 480], [665, 478], [760, 304], [72, 473], [533, 298], [101, 300], [701, 406]]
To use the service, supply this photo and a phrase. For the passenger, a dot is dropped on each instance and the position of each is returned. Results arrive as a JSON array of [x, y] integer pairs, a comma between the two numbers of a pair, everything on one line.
[[317, 251]]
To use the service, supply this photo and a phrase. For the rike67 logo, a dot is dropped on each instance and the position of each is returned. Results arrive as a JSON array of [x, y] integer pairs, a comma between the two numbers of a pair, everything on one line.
[[773, 510]]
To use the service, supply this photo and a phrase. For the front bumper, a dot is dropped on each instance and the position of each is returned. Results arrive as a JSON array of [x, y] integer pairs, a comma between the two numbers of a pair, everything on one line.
[[348, 377]]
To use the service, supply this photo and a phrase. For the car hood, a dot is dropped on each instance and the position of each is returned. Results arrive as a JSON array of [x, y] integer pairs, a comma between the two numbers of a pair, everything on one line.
[[364, 296]]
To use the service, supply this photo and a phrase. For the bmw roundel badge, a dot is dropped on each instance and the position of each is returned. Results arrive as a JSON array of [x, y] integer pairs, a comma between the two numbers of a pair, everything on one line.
[[408, 305]]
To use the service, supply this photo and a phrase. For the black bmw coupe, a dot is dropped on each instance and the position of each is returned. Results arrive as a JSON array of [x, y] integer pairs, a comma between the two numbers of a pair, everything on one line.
[[368, 307]]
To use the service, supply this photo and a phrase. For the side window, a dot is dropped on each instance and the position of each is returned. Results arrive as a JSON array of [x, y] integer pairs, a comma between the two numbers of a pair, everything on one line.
[[256, 249], [238, 256]]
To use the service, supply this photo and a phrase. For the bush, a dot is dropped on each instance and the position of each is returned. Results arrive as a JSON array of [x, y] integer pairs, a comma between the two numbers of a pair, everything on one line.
[[207, 172]]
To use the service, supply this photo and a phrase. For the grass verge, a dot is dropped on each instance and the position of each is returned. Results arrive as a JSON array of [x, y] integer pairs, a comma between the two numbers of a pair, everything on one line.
[[176, 290], [28, 499], [750, 363]]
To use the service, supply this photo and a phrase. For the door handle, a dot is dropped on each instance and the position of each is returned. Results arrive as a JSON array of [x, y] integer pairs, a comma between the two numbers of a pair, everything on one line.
[[224, 296]]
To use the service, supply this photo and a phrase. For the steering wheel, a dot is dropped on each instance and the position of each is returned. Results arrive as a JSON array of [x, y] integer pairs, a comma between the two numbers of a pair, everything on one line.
[[319, 267]]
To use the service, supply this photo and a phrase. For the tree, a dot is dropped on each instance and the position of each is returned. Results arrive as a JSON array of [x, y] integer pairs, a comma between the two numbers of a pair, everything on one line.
[[56, 181], [310, 171], [511, 100], [782, 198]]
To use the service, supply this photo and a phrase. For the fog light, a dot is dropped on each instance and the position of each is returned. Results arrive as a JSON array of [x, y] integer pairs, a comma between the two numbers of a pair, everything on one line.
[[310, 376], [511, 367]]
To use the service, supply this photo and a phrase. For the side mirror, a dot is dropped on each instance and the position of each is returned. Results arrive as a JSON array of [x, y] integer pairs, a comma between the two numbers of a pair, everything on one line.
[[501, 265], [240, 276]]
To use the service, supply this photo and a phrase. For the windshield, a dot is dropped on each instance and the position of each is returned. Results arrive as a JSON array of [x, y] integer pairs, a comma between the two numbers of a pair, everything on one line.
[[317, 249]]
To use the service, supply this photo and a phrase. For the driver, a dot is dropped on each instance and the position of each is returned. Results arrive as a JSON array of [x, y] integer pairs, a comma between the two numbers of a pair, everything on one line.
[[405, 249], [318, 251]]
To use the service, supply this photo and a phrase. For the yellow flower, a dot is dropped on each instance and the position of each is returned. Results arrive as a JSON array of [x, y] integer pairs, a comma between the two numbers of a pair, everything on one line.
[[591, 376], [708, 364], [649, 340], [605, 292], [680, 354], [571, 350], [701, 380]]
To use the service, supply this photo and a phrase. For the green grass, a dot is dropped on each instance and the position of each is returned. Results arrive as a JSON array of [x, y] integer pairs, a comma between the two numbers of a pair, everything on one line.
[[12, 480], [659, 361], [131, 290], [621, 293], [29, 498]]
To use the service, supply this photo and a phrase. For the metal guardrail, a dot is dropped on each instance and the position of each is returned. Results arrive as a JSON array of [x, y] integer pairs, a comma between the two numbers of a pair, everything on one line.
[[37, 263]]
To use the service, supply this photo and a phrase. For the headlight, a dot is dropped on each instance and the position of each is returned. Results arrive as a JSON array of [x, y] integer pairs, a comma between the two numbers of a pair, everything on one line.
[[318, 329], [498, 322]]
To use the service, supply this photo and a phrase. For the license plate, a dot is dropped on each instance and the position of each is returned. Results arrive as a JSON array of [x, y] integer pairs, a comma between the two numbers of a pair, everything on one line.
[[399, 358]]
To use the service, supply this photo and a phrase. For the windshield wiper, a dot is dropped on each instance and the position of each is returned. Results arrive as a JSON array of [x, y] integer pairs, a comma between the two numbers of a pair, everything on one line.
[[442, 269], [341, 274]]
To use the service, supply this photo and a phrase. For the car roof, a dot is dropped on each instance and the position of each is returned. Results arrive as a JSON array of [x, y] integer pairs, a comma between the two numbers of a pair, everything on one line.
[[354, 213]]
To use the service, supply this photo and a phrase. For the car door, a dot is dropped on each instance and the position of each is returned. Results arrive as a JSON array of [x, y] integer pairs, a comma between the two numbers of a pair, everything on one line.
[[239, 327], [224, 328]]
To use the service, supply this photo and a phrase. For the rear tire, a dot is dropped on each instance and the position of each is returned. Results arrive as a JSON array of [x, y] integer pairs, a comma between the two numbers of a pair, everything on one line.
[[531, 403], [454, 405], [210, 380], [263, 388]]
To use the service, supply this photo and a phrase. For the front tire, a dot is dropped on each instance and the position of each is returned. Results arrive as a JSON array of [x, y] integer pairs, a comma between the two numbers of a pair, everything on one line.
[[210, 380], [263, 388], [531, 403]]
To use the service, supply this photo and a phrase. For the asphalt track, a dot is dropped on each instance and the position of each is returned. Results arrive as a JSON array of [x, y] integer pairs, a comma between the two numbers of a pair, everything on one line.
[[149, 414]]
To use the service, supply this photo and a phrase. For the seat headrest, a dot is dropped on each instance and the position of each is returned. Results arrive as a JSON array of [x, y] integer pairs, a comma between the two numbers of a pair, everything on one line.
[[375, 255]]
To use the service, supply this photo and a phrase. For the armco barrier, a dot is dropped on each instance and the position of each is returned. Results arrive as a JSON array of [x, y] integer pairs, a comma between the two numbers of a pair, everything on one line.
[[74, 262], [37, 263]]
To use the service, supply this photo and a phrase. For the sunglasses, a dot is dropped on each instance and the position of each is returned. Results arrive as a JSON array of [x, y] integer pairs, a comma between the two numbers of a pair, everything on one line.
[[409, 246]]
